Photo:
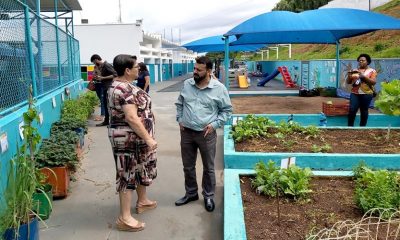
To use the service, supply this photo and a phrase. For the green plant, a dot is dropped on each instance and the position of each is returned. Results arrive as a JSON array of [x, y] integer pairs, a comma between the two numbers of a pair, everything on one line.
[[377, 189], [344, 49], [323, 149], [360, 169], [389, 98], [68, 125], [288, 144], [80, 108], [54, 154], [257, 126], [267, 177], [65, 137], [295, 182], [379, 47], [22, 180], [292, 182], [251, 126]]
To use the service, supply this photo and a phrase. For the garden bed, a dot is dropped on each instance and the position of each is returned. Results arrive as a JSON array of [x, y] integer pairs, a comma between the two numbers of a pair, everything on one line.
[[340, 141], [286, 104], [331, 201]]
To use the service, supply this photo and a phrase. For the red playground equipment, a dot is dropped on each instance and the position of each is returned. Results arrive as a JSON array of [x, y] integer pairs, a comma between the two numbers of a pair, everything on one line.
[[286, 77]]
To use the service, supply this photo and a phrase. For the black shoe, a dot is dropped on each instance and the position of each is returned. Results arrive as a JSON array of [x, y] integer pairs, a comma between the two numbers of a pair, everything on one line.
[[209, 204], [186, 199], [101, 124]]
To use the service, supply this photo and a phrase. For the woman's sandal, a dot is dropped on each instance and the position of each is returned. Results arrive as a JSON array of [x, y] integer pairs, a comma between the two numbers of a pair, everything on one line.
[[123, 226], [142, 208]]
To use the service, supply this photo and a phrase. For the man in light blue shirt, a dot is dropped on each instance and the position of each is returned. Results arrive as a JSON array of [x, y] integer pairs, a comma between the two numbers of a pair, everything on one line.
[[203, 106]]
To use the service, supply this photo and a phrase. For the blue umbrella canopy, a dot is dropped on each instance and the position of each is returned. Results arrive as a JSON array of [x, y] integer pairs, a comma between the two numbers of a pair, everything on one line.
[[217, 44], [327, 25]]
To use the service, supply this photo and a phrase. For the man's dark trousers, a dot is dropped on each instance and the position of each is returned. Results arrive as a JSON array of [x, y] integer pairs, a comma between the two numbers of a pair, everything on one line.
[[105, 103], [191, 141]]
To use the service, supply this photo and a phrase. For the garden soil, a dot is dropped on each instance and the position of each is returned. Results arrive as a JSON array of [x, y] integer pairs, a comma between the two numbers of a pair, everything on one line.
[[332, 200], [379, 141], [288, 104]]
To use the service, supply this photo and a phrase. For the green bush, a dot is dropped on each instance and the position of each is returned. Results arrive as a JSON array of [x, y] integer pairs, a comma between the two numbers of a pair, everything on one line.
[[379, 47], [80, 108], [377, 189], [54, 154]]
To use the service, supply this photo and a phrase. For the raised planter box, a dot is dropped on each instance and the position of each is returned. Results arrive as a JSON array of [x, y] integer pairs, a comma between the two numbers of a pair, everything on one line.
[[315, 161], [234, 225], [374, 120]]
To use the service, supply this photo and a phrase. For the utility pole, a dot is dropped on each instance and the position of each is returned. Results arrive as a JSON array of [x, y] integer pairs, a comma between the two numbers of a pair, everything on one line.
[[369, 5], [180, 43], [119, 7]]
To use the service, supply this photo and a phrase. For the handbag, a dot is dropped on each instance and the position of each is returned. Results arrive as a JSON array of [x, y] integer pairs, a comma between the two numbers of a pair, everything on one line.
[[91, 86], [374, 93]]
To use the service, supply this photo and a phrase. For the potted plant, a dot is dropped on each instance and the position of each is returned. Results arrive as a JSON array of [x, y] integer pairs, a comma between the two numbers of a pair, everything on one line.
[[56, 160], [43, 197], [18, 220]]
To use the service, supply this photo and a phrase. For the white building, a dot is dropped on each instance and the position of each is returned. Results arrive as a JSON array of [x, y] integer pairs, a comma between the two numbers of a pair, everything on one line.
[[163, 58]]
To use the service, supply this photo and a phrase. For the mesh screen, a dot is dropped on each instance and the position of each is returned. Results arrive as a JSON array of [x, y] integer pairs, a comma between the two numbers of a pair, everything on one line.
[[52, 68], [15, 74]]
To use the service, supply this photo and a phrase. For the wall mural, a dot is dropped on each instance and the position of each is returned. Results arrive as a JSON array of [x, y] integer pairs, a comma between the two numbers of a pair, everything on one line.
[[322, 73], [388, 70]]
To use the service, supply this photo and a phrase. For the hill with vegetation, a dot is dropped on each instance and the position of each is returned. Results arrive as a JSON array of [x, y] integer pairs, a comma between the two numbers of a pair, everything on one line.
[[379, 44]]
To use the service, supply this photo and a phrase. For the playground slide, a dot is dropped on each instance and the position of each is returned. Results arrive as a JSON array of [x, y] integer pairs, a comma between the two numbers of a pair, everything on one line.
[[268, 78], [286, 77]]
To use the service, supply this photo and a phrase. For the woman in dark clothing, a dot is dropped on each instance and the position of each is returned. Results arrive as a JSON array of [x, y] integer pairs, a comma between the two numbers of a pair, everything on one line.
[[362, 79], [143, 80]]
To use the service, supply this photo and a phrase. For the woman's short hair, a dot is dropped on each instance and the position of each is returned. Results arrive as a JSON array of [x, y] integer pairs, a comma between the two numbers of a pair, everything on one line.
[[142, 67], [122, 62], [367, 57]]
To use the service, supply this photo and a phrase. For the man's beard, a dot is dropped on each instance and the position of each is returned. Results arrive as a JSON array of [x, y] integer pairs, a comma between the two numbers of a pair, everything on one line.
[[198, 79]]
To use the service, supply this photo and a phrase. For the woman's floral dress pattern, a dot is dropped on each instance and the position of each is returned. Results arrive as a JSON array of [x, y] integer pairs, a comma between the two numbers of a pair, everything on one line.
[[135, 163]]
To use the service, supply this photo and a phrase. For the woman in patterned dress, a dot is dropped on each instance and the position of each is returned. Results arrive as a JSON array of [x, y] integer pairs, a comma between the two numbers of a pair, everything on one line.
[[131, 134], [363, 80]]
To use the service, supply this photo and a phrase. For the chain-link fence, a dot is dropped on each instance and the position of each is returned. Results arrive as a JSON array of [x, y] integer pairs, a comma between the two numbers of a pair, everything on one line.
[[33, 52]]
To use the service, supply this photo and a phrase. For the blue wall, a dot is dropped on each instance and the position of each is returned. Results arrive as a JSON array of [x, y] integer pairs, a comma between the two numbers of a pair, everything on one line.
[[151, 72], [10, 124], [178, 69], [322, 73]]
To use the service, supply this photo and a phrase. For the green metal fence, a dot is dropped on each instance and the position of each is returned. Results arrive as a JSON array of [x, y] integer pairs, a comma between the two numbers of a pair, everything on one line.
[[33, 51]]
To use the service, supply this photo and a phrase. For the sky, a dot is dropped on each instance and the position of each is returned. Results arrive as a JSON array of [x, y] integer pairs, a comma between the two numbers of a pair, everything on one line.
[[180, 21]]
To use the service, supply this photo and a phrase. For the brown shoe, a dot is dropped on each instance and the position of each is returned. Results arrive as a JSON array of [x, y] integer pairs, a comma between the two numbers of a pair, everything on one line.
[[123, 226], [142, 208]]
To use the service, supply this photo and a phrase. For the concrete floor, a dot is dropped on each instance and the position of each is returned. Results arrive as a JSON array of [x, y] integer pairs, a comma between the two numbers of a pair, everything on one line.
[[90, 211]]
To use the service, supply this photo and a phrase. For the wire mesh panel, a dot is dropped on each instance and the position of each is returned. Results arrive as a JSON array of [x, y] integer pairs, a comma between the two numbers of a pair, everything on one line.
[[77, 59], [64, 60], [28, 42], [49, 63], [15, 73]]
